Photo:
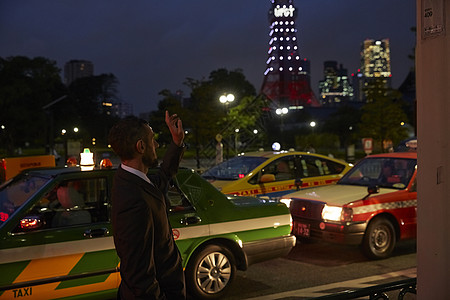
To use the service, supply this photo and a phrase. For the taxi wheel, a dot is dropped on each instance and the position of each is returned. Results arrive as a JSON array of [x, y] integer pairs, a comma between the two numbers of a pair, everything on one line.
[[379, 239], [210, 272]]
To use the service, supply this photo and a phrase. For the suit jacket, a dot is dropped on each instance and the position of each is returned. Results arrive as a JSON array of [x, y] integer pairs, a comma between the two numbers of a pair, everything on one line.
[[150, 264]]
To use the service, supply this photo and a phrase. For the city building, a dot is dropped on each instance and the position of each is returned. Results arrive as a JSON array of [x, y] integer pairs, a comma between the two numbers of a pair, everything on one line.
[[335, 88], [376, 58], [287, 75], [375, 68], [75, 69], [121, 109]]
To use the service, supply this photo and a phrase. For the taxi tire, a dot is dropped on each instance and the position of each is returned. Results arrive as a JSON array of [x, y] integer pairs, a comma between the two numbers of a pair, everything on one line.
[[218, 271], [379, 239]]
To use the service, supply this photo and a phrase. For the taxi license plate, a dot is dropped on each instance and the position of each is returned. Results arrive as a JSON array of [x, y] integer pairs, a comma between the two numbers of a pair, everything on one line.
[[302, 230]]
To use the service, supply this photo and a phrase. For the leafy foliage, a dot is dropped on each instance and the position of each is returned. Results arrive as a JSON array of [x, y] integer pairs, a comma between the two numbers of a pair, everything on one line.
[[26, 86], [382, 117]]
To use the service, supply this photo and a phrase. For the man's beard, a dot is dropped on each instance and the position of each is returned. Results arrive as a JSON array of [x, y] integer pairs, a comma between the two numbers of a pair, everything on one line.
[[150, 162]]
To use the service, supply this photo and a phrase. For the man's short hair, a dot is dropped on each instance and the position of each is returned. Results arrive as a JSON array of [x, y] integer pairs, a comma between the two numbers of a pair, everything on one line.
[[124, 135]]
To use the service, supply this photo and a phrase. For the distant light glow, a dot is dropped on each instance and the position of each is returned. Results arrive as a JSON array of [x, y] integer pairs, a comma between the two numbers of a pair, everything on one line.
[[276, 146]]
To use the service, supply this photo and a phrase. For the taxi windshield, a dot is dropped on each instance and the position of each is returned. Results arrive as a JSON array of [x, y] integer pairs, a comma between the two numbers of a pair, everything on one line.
[[384, 172], [16, 192], [234, 168]]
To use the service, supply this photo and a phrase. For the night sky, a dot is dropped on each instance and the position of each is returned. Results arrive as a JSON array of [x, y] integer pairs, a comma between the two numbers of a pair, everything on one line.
[[154, 45]]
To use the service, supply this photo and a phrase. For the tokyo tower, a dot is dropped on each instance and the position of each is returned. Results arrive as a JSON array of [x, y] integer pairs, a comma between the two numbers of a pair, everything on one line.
[[286, 78]]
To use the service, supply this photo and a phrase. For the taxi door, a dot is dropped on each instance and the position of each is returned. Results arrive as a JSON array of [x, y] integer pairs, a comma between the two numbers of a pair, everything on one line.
[[60, 247]]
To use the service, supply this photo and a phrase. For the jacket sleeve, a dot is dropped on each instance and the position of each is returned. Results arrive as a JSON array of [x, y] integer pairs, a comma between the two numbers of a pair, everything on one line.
[[169, 166]]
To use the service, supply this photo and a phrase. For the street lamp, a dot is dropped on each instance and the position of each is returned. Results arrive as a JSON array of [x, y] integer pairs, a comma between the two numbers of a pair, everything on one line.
[[236, 140], [312, 124], [281, 112], [226, 99]]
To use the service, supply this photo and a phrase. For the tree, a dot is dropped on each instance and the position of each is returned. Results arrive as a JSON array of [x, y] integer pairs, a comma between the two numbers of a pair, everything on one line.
[[88, 107], [202, 114], [172, 103], [26, 86], [382, 117], [344, 123]]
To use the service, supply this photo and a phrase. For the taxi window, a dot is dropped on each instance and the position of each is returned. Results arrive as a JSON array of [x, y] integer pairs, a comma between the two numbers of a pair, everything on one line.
[[177, 200], [70, 203], [312, 166], [234, 168], [282, 169], [15, 193], [384, 172]]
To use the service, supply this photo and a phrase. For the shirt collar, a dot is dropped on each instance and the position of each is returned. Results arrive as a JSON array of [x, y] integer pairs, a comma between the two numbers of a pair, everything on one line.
[[136, 172]]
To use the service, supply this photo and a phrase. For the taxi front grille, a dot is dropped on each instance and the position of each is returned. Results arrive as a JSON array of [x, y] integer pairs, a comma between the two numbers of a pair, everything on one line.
[[306, 209]]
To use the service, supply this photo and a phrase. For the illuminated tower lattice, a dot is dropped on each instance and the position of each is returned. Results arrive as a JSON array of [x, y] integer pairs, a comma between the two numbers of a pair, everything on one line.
[[286, 78]]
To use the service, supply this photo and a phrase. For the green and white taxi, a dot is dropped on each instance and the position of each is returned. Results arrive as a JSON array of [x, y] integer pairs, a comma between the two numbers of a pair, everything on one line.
[[56, 239]]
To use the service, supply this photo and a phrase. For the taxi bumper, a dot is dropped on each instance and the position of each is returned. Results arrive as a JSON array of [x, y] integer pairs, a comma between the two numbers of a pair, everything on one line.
[[261, 250], [350, 233]]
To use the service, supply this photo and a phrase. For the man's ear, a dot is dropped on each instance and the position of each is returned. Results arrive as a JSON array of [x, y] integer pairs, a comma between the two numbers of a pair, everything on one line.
[[140, 146]]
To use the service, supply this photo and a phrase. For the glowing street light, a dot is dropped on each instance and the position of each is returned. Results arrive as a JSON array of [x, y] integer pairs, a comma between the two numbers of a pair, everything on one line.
[[312, 124], [226, 99], [282, 111]]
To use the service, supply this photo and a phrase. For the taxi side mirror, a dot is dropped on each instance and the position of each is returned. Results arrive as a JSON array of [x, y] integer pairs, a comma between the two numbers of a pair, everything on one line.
[[267, 178], [372, 189]]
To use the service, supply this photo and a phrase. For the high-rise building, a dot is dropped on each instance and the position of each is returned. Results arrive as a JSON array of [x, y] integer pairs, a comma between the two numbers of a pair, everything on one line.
[[375, 67], [286, 78], [376, 58], [75, 69], [335, 88]]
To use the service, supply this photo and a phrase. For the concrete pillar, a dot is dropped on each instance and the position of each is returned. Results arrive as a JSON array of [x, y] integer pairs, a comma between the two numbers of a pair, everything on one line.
[[433, 119]]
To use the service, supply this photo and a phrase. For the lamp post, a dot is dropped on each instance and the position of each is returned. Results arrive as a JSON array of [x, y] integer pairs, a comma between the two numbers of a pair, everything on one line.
[[281, 112], [226, 99], [312, 124]]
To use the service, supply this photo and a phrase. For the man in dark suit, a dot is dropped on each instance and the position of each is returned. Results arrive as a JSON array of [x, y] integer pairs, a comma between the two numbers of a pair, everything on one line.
[[150, 265]]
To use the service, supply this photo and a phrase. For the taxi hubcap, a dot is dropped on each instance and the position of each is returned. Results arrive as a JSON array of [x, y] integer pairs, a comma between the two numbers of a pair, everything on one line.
[[214, 272], [380, 238]]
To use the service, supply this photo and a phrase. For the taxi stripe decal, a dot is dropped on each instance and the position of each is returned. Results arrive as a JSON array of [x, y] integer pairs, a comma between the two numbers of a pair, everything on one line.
[[103, 260], [56, 249], [383, 206], [277, 189], [233, 226], [37, 268], [106, 243], [250, 224]]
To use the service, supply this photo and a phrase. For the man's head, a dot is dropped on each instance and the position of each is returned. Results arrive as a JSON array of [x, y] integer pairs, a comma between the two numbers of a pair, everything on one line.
[[132, 138]]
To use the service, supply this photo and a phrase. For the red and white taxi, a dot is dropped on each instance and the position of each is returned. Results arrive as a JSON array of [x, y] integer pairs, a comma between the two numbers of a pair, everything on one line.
[[374, 204]]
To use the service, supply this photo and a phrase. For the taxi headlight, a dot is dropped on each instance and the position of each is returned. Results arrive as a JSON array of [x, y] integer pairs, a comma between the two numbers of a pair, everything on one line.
[[286, 201], [337, 213]]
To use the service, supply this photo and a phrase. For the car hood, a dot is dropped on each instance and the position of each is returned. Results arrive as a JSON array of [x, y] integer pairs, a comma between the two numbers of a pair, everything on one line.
[[337, 194]]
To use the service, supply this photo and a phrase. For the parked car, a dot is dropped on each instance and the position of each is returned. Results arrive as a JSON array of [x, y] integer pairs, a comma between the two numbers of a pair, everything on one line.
[[274, 174], [56, 239], [374, 205]]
